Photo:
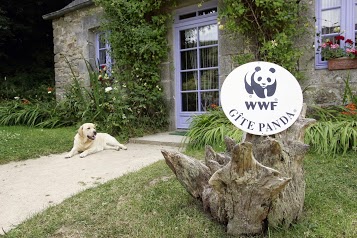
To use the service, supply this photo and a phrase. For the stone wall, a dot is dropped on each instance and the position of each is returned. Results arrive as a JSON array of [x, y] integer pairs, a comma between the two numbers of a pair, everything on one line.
[[74, 40]]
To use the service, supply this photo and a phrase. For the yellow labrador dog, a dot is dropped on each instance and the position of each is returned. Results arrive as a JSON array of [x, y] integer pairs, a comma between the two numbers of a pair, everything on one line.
[[87, 141]]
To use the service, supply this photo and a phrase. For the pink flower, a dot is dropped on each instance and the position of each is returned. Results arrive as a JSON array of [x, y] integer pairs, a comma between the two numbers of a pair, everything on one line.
[[324, 45], [335, 46]]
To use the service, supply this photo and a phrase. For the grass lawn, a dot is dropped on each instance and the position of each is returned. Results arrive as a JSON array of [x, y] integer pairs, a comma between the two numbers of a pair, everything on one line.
[[20, 142], [152, 203]]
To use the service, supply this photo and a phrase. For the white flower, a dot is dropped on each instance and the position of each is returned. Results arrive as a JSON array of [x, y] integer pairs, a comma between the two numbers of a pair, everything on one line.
[[273, 43], [336, 29], [16, 98], [108, 89]]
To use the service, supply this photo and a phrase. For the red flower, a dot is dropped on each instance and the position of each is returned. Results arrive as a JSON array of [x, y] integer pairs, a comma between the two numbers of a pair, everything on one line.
[[25, 101], [339, 37], [214, 106], [349, 41], [351, 109]]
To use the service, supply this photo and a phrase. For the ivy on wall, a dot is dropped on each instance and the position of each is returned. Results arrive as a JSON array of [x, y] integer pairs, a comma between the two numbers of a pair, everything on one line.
[[270, 28], [138, 42]]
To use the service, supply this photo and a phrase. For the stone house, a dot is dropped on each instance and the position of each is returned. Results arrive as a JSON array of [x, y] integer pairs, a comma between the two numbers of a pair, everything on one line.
[[76, 35]]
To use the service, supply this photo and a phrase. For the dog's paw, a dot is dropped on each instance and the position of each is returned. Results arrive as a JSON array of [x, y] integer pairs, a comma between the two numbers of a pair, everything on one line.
[[124, 147], [82, 155]]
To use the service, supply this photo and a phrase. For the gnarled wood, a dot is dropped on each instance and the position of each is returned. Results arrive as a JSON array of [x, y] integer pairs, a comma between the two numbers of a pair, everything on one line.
[[256, 183]]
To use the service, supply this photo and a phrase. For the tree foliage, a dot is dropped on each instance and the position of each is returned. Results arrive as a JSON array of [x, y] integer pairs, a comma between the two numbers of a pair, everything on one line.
[[26, 45]]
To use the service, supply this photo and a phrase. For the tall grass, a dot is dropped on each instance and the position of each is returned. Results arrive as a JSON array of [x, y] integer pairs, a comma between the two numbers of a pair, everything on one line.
[[334, 133], [211, 129]]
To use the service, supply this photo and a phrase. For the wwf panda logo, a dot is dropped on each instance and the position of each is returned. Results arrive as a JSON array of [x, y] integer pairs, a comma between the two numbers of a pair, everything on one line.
[[262, 82]]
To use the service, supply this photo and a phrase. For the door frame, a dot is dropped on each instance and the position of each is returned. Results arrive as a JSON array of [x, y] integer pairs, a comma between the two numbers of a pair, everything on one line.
[[183, 119]]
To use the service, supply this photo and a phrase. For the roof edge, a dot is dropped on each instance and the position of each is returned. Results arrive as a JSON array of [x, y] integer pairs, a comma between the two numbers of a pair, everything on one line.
[[67, 9]]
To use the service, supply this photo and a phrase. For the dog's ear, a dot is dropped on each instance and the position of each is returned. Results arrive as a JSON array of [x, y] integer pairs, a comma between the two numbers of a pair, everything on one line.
[[80, 131]]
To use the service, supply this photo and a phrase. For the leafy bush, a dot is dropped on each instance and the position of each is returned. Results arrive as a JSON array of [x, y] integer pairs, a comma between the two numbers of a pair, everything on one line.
[[138, 48], [107, 102], [33, 86], [328, 137], [335, 132], [211, 129], [272, 37], [24, 112], [104, 103]]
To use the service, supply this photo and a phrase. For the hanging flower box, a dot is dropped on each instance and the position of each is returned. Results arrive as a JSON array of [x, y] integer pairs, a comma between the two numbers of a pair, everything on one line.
[[342, 63]]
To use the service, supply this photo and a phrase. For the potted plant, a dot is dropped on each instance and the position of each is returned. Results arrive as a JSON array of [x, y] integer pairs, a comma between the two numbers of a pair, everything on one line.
[[339, 57]]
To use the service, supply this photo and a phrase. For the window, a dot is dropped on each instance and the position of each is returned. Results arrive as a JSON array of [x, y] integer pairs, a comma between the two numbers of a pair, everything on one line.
[[102, 51], [334, 17]]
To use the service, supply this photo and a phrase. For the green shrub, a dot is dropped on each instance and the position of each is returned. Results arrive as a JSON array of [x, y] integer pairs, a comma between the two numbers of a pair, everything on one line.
[[211, 129], [335, 131], [139, 47], [270, 28]]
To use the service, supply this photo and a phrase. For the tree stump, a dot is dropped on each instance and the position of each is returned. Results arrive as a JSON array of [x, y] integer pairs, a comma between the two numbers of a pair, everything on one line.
[[255, 183]]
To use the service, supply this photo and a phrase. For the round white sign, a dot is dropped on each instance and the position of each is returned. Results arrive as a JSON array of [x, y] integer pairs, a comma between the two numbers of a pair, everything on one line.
[[261, 98]]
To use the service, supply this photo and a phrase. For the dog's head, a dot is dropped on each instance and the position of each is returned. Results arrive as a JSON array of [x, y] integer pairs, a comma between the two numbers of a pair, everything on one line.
[[87, 130]]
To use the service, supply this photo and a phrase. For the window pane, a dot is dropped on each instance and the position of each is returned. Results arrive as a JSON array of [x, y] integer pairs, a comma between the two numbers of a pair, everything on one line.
[[208, 35], [209, 100], [209, 79], [330, 3], [102, 41], [330, 21], [188, 38], [189, 81], [209, 57], [188, 15], [355, 22], [189, 102], [189, 59], [102, 57], [208, 11]]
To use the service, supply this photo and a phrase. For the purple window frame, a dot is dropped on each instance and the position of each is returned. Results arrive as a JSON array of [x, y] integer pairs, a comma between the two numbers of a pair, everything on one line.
[[347, 25], [105, 48]]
